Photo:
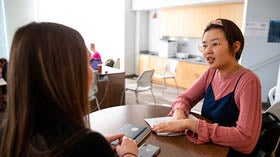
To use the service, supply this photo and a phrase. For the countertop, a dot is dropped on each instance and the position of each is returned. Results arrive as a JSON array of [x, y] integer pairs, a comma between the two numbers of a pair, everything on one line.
[[191, 58]]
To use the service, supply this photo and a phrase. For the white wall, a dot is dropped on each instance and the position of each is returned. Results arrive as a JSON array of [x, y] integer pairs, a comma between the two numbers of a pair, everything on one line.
[[154, 31], [141, 37], [18, 13], [129, 40], [100, 22], [144, 28], [257, 50]]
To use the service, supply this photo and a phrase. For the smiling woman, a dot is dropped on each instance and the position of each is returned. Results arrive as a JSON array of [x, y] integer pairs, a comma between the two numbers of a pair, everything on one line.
[[227, 89]]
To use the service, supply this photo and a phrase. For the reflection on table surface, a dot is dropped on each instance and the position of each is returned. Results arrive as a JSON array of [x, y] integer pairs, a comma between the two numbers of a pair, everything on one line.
[[108, 120]]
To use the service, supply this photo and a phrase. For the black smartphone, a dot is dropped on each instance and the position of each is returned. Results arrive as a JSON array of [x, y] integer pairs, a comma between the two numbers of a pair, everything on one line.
[[148, 150]]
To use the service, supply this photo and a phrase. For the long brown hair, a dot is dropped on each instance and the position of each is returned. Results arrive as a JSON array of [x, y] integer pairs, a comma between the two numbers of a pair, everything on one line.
[[48, 69]]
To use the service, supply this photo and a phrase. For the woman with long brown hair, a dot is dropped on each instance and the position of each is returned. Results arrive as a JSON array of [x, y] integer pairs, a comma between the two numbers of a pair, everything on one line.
[[49, 80]]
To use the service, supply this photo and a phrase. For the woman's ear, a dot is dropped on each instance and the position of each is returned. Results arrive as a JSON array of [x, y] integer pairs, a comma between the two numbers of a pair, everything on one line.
[[236, 46]]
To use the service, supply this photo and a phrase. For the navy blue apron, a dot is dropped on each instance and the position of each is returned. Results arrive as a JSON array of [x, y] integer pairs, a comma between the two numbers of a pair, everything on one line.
[[223, 111]]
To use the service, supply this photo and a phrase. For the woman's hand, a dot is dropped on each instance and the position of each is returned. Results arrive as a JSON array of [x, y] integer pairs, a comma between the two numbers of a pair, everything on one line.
[[112, 137], [175, 126], [170, 126], [127, 145], [179, 114]]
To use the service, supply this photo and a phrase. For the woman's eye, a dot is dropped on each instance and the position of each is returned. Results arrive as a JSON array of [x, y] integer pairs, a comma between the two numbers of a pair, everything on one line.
[[215, 44]]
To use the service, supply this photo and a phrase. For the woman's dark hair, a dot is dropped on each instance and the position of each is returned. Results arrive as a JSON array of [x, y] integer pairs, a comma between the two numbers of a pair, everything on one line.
[[4, 66], [3, 60], [47, 82], [231, 31]]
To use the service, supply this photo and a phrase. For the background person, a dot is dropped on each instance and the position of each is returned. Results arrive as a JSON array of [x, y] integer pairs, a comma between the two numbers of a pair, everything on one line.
[[95, 58], [3, 88], [49, 81], [232, 95], [3, 68]]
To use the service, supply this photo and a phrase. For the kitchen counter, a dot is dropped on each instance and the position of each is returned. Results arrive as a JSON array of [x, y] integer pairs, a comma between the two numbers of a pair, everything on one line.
[[196, 59], [146, 52], [192, 58]]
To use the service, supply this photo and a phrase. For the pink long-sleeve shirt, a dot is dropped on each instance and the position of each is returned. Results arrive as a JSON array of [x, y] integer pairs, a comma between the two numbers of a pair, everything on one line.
[[96, 55], [244, 136]]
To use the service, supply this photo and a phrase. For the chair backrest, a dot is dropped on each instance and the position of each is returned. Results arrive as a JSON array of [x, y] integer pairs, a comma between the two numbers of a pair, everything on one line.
[[277, 92], [145, 79], [117, 63], [171, 66]]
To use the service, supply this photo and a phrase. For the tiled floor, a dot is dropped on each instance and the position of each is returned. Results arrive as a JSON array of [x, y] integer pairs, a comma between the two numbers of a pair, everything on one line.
[[146, 97], [166, 99], [170, 94]]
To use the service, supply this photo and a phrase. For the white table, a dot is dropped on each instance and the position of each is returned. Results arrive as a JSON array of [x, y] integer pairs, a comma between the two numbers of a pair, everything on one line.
[[2, 82]]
